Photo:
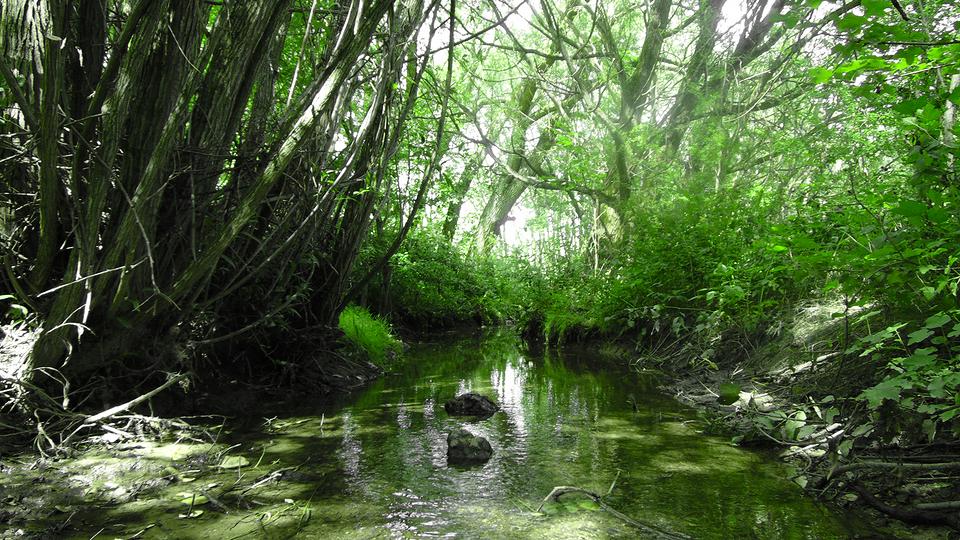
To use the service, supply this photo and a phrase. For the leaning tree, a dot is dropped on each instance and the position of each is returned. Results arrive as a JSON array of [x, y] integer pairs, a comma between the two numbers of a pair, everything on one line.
[[172, 165]]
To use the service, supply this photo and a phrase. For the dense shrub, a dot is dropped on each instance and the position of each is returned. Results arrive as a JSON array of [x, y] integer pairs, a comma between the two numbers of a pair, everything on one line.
[[432, 282]]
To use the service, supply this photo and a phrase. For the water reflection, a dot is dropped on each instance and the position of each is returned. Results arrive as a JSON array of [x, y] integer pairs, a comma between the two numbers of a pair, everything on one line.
[[564, 421]]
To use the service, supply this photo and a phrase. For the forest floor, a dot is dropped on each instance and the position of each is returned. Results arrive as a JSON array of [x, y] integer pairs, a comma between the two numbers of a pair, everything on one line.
[[768, 399]]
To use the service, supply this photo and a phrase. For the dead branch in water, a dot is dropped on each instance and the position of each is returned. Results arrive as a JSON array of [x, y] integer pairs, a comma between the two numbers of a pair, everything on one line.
[[652, 530]]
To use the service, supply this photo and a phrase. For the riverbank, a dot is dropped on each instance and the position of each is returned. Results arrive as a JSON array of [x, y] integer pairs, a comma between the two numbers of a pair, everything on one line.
[[786, 392]]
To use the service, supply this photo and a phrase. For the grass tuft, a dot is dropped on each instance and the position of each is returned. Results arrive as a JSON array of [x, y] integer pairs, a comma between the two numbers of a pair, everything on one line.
[[370, 333]]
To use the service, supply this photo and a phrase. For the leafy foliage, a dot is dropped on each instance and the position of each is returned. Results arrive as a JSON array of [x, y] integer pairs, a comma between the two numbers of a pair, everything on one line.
[[432, 282]]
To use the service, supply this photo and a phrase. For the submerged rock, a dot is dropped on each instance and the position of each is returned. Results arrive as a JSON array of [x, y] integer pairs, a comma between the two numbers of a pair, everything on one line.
[[465, 447], [471, 404]]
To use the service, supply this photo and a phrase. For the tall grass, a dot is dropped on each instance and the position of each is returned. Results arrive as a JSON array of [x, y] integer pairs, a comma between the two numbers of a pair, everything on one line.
[[370, 333]]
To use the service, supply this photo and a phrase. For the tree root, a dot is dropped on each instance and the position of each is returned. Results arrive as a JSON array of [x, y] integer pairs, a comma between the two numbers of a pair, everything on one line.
[[891, 465], [908, 515]]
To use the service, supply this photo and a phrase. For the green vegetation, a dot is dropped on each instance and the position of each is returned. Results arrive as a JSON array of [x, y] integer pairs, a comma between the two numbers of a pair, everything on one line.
[[371, 334], [431, 283], [206, 189]]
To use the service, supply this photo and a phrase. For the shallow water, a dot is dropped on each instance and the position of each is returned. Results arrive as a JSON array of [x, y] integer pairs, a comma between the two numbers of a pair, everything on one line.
[[374, 465], [382, 456]]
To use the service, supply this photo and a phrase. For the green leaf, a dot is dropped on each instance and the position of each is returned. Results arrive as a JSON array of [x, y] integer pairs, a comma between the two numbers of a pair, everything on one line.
[[845, 447], [930, 114], [908, 107], [192, 499], [805, 432], [908, 208], [936, 321], [851, 22], [955, 96], [792, 428], [888, 389], [233, 462], [949, 414], [937, 388], [875, 8], [862, 430], [938, 215], [820, 75], [955, 332], [729, 393], [930, 428], [920, 359], [586, 504], [919, 335]]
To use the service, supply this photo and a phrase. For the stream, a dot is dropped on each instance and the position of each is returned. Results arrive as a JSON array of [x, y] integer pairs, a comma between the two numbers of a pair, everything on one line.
[[373, 464]]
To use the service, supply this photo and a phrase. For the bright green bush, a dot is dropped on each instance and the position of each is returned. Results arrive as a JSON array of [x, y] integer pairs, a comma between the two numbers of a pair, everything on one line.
[[369, 333]]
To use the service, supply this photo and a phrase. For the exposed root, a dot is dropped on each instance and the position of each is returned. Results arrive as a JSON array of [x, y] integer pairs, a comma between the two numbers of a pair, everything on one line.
[[914, 515]]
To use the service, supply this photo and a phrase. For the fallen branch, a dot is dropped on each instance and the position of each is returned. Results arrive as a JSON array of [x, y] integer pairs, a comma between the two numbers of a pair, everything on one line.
[[99, 417], [885, 465], [652, 530], [945, 466], [135, 401], [943, 505]]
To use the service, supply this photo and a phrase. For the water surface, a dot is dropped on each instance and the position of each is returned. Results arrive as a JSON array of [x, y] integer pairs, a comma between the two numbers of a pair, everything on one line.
[[379, 468], [373, 465]]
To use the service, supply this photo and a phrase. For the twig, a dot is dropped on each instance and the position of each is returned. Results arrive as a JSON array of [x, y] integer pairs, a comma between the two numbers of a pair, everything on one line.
[[136, 401], [652, 530], [213, 500], [614, 483], [899, 8]]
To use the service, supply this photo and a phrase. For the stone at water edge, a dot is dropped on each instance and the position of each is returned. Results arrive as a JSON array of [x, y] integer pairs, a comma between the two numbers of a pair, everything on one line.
[[471, 404], [465, 447]]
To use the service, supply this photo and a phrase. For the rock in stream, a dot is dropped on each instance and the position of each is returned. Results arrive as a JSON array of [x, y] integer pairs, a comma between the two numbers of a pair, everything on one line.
[[471, 404], [465, 447]]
